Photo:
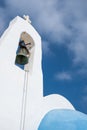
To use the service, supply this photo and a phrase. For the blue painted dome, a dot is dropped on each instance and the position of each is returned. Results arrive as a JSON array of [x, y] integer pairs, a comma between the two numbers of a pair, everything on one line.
[[64, 120]]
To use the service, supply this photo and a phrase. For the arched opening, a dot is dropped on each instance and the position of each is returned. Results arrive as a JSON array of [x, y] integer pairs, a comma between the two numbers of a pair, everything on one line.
[[24, 51]]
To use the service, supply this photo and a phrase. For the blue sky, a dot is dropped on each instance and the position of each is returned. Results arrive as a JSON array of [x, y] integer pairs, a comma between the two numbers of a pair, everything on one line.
[[62, 25]]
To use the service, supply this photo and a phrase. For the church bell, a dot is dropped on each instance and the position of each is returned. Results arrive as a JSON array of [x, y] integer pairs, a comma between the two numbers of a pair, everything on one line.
[[22, 56]]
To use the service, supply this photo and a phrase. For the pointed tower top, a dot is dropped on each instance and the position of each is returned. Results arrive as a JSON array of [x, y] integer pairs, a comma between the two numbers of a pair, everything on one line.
[[26, 17]]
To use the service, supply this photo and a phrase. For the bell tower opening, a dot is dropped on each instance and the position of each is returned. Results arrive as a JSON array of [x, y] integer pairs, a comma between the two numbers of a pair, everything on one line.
[[25, 51]]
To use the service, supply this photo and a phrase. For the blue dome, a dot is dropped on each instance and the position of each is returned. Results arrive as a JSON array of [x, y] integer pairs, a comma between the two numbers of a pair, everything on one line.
[[64, 120]]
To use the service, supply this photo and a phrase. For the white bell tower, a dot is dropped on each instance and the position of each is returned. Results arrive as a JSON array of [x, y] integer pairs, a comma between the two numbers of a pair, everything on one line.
[[28, 80]]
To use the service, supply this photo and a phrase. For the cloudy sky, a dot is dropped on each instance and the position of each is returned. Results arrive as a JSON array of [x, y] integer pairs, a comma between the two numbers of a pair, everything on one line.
[[62, 25]]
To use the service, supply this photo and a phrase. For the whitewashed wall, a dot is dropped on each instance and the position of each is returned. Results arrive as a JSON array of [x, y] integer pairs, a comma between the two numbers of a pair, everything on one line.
[[12, 81]]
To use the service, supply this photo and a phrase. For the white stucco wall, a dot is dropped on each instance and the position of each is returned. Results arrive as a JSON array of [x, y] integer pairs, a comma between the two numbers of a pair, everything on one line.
[[12, 81]]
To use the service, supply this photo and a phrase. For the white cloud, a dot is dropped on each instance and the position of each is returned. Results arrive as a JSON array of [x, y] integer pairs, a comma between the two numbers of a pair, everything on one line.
[[63, 76], [79, 44], [46, 47], [2, 20], [44, 14], [59, 20]]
